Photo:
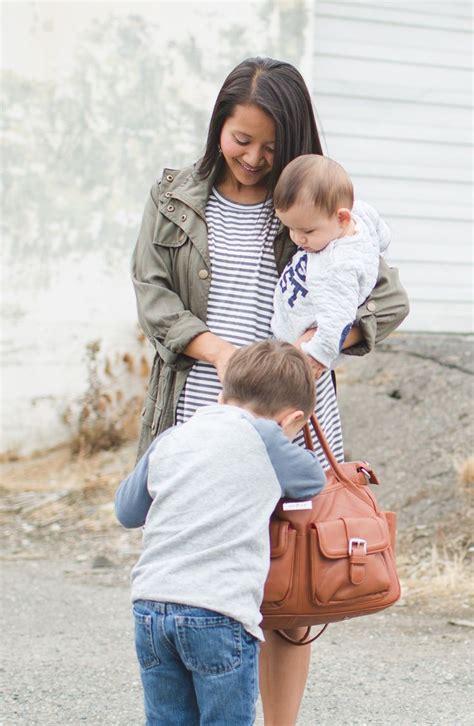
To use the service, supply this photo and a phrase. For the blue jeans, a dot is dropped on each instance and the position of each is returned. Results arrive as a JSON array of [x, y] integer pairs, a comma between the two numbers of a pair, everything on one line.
[[198, 668]]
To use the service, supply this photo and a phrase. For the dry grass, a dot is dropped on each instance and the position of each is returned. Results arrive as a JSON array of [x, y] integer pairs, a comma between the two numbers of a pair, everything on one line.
[[443, 576]]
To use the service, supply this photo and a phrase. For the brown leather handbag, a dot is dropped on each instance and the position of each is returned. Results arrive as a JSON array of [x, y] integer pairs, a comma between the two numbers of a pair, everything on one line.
[[332, 557]]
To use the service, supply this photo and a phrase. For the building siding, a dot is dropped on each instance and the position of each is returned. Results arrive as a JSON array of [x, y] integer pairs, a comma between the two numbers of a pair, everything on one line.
[[392, 86]]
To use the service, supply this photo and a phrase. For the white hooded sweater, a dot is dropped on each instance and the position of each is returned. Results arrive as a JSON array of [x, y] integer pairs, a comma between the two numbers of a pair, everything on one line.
[[324, 289]]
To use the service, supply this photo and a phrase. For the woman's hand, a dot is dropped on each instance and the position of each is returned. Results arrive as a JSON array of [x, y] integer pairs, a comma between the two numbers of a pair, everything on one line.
[[211, 349], [222, 359]]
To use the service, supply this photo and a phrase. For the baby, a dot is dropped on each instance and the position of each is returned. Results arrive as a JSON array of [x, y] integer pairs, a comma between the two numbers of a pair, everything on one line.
[[336, 265]]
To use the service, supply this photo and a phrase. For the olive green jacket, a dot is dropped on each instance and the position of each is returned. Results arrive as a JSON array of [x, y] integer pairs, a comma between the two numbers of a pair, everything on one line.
[[171, 274]]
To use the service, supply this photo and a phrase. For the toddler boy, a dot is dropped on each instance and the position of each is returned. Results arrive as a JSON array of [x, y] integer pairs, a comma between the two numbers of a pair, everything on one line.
[[337, 263], [205, 491]]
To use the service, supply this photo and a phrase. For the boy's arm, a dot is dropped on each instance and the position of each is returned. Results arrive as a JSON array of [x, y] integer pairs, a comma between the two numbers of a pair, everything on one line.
[[299, 472], [132, 499]]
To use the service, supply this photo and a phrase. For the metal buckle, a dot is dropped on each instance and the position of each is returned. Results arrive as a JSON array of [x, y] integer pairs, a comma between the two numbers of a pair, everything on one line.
[[357, 541], [365, 473]]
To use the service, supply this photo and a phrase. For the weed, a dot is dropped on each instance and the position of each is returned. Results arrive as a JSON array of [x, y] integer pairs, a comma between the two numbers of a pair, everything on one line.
[[103, 419]]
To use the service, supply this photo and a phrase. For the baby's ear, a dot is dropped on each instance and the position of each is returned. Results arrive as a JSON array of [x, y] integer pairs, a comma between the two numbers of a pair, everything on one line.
[[220, 398], [344, 216]]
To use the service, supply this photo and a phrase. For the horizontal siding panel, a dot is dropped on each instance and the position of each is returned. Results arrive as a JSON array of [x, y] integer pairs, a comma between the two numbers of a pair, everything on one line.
[[441, 249], [402, 55], [454, 199], [436, 275], [399, 128], [352, 151], [441, 176], [406, 208], [439, 317], [451, 293], [460, 9], [395, 17], [379, 110], [393, 90], [380, 70]]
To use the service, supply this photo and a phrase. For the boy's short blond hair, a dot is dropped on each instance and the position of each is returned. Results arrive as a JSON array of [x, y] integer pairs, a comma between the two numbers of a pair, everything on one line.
[[270, 376], [315, 180]]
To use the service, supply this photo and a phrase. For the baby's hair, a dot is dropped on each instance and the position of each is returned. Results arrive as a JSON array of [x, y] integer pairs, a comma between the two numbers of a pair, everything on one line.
[[316, 180], [270, 376]]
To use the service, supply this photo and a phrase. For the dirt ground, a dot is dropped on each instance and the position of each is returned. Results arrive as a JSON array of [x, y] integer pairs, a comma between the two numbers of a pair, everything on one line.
[[68, 645]]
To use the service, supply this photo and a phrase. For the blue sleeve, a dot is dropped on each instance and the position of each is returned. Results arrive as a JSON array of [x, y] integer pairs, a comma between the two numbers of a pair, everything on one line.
[[300, 474], [132, 500]]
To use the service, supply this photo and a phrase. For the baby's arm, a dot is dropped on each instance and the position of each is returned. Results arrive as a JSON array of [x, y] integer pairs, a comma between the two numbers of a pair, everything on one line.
[[335, 297], [299, 472], [132, 499]]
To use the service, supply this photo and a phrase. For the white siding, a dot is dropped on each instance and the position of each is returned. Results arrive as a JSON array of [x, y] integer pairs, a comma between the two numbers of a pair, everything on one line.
[[392, 86]]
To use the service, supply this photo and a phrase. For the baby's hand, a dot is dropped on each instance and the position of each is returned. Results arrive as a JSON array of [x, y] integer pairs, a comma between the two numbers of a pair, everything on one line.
[[305, 337]]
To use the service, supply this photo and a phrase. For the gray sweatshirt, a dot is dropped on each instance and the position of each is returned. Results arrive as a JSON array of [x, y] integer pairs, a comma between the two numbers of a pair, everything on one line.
[[205, 491]]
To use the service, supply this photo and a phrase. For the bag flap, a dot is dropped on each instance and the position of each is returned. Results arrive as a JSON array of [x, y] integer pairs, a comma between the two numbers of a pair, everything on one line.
[[335, 535]]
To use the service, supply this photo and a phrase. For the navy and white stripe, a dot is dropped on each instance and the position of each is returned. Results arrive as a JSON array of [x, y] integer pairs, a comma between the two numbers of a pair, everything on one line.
[[240, 304]]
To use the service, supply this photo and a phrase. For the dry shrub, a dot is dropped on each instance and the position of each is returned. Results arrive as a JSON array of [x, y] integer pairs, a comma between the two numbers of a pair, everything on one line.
[[105, 419]]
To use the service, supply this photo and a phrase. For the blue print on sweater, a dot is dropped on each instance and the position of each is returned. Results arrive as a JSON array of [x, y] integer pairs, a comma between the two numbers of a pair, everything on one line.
[[292, 279], [344, 335]]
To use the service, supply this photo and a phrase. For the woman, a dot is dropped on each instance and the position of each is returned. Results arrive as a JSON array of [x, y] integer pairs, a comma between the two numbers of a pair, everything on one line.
[[208, 256]]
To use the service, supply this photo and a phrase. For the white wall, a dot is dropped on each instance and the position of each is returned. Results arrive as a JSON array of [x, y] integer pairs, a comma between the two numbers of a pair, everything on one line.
[[392, 87], [99, 97]]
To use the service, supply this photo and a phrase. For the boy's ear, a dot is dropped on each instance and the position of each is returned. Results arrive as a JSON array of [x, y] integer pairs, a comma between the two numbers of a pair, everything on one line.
[[292, 417], [344, 216]]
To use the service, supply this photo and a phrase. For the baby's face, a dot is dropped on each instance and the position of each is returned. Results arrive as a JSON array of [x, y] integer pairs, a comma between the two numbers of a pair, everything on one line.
[[310, 228]]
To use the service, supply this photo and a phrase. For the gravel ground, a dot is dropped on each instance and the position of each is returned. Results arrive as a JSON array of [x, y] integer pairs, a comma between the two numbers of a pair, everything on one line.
[[68, 654], [69, 659]]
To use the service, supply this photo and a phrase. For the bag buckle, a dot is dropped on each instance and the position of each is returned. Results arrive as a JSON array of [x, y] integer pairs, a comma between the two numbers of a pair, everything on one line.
[[358, 541]]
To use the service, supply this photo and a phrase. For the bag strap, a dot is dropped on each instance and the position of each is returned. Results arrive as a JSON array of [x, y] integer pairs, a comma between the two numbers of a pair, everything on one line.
[[303, 640], [324, 445], [330, 456]]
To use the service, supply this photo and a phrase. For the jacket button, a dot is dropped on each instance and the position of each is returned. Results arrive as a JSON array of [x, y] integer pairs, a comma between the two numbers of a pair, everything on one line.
[[371, 306], [169, 177], [184, 217], [170, 208], [167, 195], [203, 274]]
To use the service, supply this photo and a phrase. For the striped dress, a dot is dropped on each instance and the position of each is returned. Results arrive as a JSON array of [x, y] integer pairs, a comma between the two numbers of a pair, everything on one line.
[[240, 304]]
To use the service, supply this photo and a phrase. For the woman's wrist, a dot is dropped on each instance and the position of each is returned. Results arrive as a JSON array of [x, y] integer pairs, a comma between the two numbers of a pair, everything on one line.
[[353, 337], [212, 349]]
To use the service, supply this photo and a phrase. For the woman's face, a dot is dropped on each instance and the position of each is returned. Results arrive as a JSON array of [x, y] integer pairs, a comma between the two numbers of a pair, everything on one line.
[[248, 143]]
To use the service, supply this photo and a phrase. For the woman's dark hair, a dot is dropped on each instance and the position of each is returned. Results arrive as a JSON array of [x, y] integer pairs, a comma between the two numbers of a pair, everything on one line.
[[279, 90]]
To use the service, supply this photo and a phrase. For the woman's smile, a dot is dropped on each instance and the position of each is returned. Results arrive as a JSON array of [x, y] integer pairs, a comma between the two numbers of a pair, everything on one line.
[[251, 169]]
